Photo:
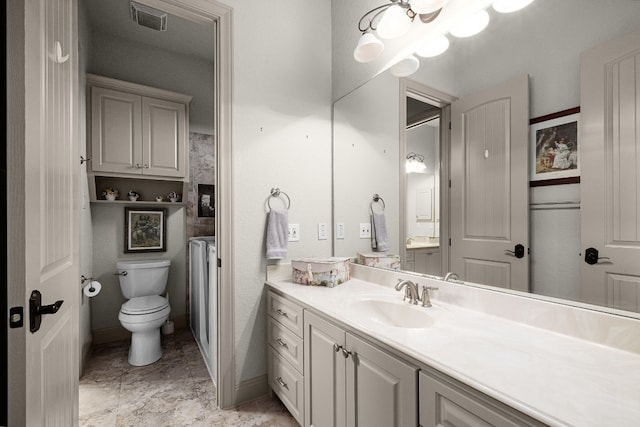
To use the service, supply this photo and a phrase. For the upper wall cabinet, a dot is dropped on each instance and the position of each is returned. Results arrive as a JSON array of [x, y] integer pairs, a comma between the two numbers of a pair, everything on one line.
[[137, 130]]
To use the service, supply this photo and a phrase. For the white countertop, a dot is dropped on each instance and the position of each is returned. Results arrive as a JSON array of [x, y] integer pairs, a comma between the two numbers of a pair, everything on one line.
[[558, 379]]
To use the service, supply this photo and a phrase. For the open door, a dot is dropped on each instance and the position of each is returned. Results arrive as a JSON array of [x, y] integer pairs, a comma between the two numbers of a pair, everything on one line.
[[489, 186], [43, 232], [610, 183]]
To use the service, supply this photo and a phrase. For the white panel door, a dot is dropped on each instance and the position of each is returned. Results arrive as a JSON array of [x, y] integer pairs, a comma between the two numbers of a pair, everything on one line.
[[43, 364], [489, 186], [610, 183]]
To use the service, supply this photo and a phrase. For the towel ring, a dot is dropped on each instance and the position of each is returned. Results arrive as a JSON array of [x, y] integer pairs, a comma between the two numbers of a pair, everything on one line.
[[276, 192], [376, 199]]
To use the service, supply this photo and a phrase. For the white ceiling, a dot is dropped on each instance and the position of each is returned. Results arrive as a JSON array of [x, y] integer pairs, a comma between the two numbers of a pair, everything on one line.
[[182, 36]]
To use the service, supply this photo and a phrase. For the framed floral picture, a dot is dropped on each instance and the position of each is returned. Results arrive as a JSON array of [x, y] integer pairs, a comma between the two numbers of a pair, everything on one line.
[[555, 150], [145, 230]]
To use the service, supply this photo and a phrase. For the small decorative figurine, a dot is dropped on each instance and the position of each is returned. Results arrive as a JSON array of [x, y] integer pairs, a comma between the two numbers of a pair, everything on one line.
[[133, 196], [173, 197], [110, 194]]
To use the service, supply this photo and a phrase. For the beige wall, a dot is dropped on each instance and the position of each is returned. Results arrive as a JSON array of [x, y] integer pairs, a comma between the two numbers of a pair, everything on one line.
[[108, 248]]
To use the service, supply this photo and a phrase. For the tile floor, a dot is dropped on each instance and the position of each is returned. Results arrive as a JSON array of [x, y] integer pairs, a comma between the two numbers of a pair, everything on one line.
[[175, 391]]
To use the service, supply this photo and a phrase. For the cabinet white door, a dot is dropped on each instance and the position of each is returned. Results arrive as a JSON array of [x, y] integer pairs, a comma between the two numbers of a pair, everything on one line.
[[324, 373], [163, 137], [116, 131], [381, 389], [444, 404]]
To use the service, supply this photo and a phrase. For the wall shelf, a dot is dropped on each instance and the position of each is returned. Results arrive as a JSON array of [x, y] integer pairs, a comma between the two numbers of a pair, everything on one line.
[[147, 188]]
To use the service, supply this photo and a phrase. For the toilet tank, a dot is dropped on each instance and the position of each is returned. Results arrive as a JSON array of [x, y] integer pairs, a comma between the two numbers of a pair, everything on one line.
[[143, 277]]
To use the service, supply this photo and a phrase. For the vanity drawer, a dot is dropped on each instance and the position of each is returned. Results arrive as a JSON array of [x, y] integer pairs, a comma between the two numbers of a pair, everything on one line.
[[286, 312], [285, 342], [287, 383]]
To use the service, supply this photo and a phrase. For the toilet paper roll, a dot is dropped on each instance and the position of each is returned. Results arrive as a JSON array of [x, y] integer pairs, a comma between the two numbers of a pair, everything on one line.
[[92, 289]]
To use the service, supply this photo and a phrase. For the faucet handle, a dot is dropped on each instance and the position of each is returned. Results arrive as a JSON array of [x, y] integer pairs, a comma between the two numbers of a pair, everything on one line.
[[426, 301]]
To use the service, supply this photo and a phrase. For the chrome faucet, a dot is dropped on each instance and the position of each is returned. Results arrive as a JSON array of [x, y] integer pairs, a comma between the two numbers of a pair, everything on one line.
[[411, 289], [451, 276]]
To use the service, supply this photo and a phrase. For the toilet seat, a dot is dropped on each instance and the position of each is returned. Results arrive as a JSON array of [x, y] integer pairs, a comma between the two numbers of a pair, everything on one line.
[[144, 305]]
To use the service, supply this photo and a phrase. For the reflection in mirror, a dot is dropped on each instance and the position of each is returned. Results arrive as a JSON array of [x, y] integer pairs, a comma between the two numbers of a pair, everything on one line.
[[422, 188], [369, 115]]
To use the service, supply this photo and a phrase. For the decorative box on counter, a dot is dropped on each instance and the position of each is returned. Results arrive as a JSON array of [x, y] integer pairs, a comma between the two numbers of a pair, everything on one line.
[[328, 272], [380, 260]]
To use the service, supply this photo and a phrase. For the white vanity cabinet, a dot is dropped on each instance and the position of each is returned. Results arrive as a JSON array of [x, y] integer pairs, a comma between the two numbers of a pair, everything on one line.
[[425, 260], [349, 382], [446, 402], [285, 353], [137, 130]]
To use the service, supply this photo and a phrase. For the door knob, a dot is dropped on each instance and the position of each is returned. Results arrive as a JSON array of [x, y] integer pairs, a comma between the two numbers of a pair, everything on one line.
[[518, 251], [36, 310], [591, 256]]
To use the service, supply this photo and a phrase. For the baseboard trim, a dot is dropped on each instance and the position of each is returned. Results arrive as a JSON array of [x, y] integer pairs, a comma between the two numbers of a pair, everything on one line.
[[251, 389]]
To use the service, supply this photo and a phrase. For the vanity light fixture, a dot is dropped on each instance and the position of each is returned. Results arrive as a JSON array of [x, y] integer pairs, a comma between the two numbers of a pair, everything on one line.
[[415, 163], [396, 18]]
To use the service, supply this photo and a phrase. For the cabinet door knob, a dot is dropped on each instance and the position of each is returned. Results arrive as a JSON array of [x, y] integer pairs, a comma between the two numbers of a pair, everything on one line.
[[337, 347], [146, 166]]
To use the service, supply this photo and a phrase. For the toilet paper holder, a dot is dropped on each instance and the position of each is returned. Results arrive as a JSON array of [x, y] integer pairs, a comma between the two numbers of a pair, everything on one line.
[[83, 279]]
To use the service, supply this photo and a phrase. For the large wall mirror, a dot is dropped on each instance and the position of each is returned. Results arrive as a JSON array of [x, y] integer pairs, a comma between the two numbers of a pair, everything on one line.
[[373, 147]]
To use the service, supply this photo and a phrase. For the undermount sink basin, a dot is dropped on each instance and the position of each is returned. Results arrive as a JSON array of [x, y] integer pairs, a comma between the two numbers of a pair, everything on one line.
[[399, 314]]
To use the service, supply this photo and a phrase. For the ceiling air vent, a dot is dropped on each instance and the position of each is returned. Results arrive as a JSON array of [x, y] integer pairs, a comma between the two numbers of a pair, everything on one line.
[[148, 17]]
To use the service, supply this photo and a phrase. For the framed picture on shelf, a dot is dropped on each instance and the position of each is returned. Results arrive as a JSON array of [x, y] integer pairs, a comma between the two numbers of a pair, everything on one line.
[[555, 149], [145, 230]]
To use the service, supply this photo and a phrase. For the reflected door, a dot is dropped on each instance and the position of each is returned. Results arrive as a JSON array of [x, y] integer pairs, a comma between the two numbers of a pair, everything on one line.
[[489, 186], [610, 183]]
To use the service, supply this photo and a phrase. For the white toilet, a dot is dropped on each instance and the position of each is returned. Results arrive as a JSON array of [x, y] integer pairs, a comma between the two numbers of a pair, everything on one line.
[[143, 314]]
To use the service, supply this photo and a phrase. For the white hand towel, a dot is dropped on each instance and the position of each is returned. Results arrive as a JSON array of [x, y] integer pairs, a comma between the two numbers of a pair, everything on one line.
[[379, 234], [277, 234]]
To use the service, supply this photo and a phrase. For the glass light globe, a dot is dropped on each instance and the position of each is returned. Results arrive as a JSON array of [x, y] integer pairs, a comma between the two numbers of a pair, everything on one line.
[[406, 67], [368, 48], [427, 6], [394, 23], [471, 25], [507, 6], [433, 47]]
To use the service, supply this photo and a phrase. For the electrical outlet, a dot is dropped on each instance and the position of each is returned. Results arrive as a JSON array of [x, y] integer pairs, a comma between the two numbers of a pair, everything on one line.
[[322, 231], [365, 230], [294, 232], [340, 230]]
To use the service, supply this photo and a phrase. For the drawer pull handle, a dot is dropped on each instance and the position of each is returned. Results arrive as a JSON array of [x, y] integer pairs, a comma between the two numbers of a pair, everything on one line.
[[282, 313], [281, 343], [282, 383]]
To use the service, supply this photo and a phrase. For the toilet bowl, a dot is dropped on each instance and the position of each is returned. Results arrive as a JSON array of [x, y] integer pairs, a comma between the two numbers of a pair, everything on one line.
[[143, 317], [146, 310]]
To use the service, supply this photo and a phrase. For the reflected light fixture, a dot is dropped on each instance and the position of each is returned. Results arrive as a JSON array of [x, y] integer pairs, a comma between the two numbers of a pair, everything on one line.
[[508, 6], [415, 163], [471, 25], [395, 19]]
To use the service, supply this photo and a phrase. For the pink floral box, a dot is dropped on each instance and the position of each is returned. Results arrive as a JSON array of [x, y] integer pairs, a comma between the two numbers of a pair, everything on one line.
[[379, 259], [329, 272]]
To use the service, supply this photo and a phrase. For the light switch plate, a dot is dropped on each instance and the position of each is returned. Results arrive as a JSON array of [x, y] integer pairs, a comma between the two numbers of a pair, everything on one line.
[[322, 231], [340, 230], [294, 232], [365, 230]]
